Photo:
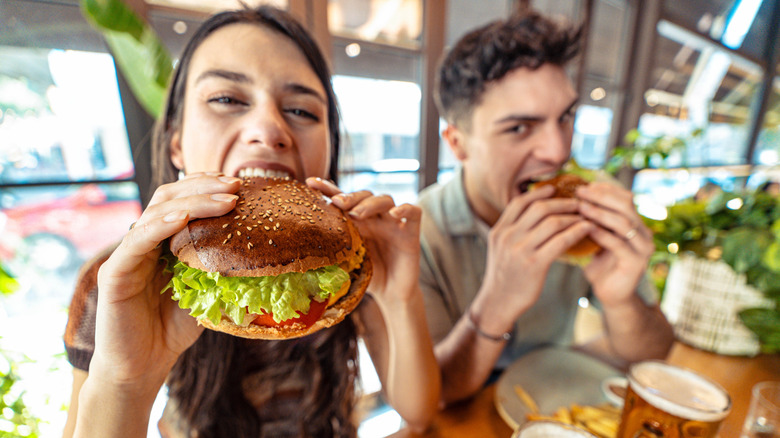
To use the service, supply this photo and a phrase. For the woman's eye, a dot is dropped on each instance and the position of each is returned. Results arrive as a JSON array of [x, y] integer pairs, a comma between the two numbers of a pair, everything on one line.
[[225, 100], [302, 113]]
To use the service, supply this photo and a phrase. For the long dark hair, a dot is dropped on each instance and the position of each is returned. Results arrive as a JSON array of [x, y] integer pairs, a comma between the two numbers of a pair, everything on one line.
[[229, 386], [170, 122], [207, 385]]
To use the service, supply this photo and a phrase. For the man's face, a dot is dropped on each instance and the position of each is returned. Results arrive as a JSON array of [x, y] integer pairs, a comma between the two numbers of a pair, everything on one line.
[[521, 131]]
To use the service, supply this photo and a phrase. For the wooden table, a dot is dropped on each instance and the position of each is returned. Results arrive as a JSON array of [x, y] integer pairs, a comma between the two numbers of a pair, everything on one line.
[[479, 418], [737, 375]]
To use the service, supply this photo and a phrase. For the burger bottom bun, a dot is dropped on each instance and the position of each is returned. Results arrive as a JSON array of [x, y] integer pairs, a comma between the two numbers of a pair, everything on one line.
[[333, 314], [584, 248]]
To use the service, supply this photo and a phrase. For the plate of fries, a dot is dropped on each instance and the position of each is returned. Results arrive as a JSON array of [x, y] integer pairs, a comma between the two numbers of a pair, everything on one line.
[[558, 384]]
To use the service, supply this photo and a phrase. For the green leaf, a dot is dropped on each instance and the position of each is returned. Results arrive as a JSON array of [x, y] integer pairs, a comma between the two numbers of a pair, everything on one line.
[[771, 258], [137, 50], [8, 284], [113, 15], [743, 248], [765, 323], [286, 296]]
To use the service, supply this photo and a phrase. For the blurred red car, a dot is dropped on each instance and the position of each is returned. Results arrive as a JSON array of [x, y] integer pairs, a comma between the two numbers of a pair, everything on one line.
[[57, 233]]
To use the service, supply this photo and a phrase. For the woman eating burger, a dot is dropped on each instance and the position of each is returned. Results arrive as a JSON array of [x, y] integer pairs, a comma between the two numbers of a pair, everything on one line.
[[251, 94]]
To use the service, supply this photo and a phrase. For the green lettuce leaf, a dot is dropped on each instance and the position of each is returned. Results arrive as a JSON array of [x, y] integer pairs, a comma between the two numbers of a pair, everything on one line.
[[208, 294]]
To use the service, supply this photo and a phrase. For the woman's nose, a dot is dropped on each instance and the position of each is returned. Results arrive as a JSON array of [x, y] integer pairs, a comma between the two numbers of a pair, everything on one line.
[[266, 127]]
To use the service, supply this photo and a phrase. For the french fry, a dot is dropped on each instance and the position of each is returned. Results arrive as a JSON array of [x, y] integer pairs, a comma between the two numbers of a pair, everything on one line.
[[564, 415], [526, 399], [601, 420]]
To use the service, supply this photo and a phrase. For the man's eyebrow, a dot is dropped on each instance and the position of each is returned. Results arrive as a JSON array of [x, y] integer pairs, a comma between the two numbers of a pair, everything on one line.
[[224, 74], [514, 118], [571, 106]]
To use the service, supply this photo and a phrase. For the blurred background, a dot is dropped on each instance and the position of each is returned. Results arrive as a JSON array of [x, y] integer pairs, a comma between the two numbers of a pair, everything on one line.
[[675, 95]]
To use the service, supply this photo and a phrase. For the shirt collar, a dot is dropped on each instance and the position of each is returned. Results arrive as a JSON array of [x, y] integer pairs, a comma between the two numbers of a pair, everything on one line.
[[459, 217]]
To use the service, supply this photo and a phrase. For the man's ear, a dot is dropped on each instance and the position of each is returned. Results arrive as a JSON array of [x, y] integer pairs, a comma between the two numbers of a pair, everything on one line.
[[177, 158], [456, 140]]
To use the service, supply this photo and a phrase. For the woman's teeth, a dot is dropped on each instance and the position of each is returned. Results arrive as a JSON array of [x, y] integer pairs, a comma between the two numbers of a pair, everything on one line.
[[265, 173]]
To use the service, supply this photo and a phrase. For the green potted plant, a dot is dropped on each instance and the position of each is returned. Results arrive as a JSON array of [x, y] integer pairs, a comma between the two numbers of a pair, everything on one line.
[[640, 152], [20, 422], [741, 229]]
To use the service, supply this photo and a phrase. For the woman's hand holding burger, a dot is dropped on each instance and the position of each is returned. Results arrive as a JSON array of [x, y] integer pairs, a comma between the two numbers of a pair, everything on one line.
[[141, 333], [391, 233]]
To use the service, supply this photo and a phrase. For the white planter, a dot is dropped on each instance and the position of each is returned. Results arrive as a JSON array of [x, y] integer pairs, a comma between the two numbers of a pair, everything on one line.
[[702, 299]]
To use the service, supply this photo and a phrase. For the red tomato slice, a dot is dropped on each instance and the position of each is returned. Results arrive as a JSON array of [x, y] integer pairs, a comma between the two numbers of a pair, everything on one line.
[[316, 309]]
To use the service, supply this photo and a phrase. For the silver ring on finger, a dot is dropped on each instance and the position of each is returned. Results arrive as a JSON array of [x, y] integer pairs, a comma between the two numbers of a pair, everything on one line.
[[630, 234]]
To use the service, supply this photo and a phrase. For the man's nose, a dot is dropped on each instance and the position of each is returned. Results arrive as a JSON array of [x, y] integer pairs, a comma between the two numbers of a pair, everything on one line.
[[555, 146]]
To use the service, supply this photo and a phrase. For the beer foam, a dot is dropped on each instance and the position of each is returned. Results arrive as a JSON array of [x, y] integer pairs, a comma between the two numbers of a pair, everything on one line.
[[679, 392]]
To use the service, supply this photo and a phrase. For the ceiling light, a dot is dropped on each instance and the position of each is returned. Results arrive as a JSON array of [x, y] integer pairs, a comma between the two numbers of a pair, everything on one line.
[[598, 94], [739, 22], [652, 99], [353, 50], [180, 27]]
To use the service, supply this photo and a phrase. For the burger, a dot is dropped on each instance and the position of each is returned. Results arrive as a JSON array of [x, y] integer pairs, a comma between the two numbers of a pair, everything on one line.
[[565, 185], [284, 263]]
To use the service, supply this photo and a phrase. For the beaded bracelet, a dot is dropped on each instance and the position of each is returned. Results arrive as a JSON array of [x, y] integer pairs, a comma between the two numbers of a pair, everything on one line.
[[470, 320]]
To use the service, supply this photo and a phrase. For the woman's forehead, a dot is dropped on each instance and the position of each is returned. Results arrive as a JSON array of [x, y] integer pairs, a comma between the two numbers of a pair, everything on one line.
[[255, 50]]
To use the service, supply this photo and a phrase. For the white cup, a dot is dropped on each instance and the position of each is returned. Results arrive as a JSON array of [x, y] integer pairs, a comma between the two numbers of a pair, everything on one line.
[[550, 429]]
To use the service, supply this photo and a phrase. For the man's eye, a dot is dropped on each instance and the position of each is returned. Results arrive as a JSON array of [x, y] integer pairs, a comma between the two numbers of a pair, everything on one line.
[[568, 117], [520, 129]]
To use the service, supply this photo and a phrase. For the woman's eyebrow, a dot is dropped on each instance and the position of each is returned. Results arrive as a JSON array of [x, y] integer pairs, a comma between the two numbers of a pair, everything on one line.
[[233, 76], [297, 88], [224, 74]]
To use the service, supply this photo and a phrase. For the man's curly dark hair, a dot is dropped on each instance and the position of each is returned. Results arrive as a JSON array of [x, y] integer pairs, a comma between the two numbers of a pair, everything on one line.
[[488, 53]]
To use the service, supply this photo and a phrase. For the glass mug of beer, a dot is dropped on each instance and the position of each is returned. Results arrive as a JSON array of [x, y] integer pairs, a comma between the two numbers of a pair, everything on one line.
[[550, 429], [663, 400]]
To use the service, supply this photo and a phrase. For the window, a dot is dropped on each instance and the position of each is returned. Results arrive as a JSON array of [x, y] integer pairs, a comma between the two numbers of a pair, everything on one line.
[[66, 184], [767, 151], [392, 22], [697, 85], [381, 144]]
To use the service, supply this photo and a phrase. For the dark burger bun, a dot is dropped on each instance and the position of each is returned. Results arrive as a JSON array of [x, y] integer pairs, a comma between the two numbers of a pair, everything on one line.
[[279, 225], [565, 187]]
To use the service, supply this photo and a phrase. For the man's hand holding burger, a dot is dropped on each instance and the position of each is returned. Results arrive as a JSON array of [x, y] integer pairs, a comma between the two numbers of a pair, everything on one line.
[[614, 256], [534, 231], [626, 242]]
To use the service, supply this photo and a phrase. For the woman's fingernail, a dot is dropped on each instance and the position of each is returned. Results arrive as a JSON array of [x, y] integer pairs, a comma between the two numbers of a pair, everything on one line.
[[228, 179], [355, 213], [176, 216], [223, 197]]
